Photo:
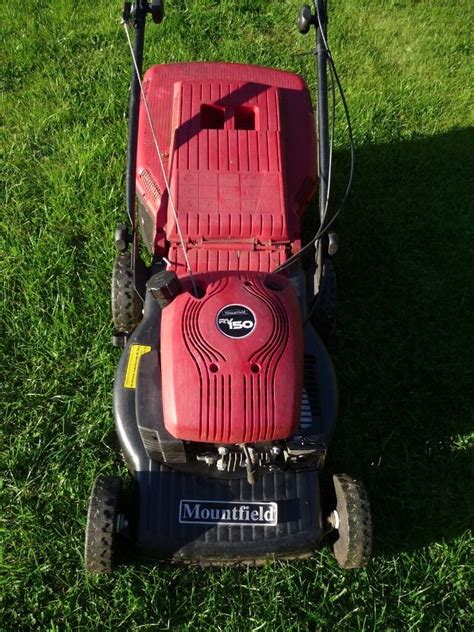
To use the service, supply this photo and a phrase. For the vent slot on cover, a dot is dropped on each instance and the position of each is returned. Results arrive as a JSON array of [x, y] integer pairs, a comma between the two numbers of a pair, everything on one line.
[[150, 184], [244, 117], [212, 116]]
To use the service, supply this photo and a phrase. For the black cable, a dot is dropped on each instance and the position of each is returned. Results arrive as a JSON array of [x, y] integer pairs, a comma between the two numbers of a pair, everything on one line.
[[324, 228], [331, 146]]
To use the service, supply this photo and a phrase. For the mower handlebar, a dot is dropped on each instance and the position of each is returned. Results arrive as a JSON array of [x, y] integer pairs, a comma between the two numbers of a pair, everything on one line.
[[142, 8]]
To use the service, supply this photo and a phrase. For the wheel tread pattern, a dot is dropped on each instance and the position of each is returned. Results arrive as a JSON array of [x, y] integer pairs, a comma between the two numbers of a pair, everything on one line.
[[101, 521], [126, 304], [353, 548]]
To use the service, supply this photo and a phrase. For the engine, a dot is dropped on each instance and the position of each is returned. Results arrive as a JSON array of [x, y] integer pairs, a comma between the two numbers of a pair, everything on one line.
[[232, 359]]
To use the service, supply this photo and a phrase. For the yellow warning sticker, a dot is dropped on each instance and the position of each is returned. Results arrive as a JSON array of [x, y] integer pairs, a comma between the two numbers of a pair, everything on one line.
[[136, 352]]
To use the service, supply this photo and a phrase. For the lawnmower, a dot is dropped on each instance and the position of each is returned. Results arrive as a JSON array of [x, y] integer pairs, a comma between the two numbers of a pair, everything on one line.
[[225, 397]]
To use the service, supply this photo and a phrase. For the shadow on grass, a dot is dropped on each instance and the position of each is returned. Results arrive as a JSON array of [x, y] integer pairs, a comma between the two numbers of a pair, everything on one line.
[[404, 355]]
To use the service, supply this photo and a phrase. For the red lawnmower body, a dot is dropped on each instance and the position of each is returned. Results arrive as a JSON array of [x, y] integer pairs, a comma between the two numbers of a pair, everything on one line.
[[225, 397], [239, 146]]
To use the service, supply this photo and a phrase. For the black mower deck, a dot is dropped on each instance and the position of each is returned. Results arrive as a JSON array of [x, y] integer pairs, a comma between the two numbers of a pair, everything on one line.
[[179, 516]]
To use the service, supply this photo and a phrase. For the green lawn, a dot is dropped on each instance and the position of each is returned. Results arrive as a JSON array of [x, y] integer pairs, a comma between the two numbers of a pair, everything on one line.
[[404, 353]]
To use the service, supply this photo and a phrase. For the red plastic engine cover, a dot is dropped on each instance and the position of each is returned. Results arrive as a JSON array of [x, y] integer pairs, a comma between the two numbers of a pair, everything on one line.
[[232, 360]]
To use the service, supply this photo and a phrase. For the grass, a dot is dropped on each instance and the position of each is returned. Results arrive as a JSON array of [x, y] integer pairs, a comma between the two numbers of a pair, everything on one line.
[[404, 352]]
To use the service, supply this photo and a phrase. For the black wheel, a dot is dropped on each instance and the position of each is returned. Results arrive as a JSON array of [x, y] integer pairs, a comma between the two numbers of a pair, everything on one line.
[[157, 11], [101, 526], [126, 304], [323, 313], [351, 522]]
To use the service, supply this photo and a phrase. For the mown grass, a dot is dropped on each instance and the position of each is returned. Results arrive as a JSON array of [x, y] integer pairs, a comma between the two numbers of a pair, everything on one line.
[[404, 352]]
